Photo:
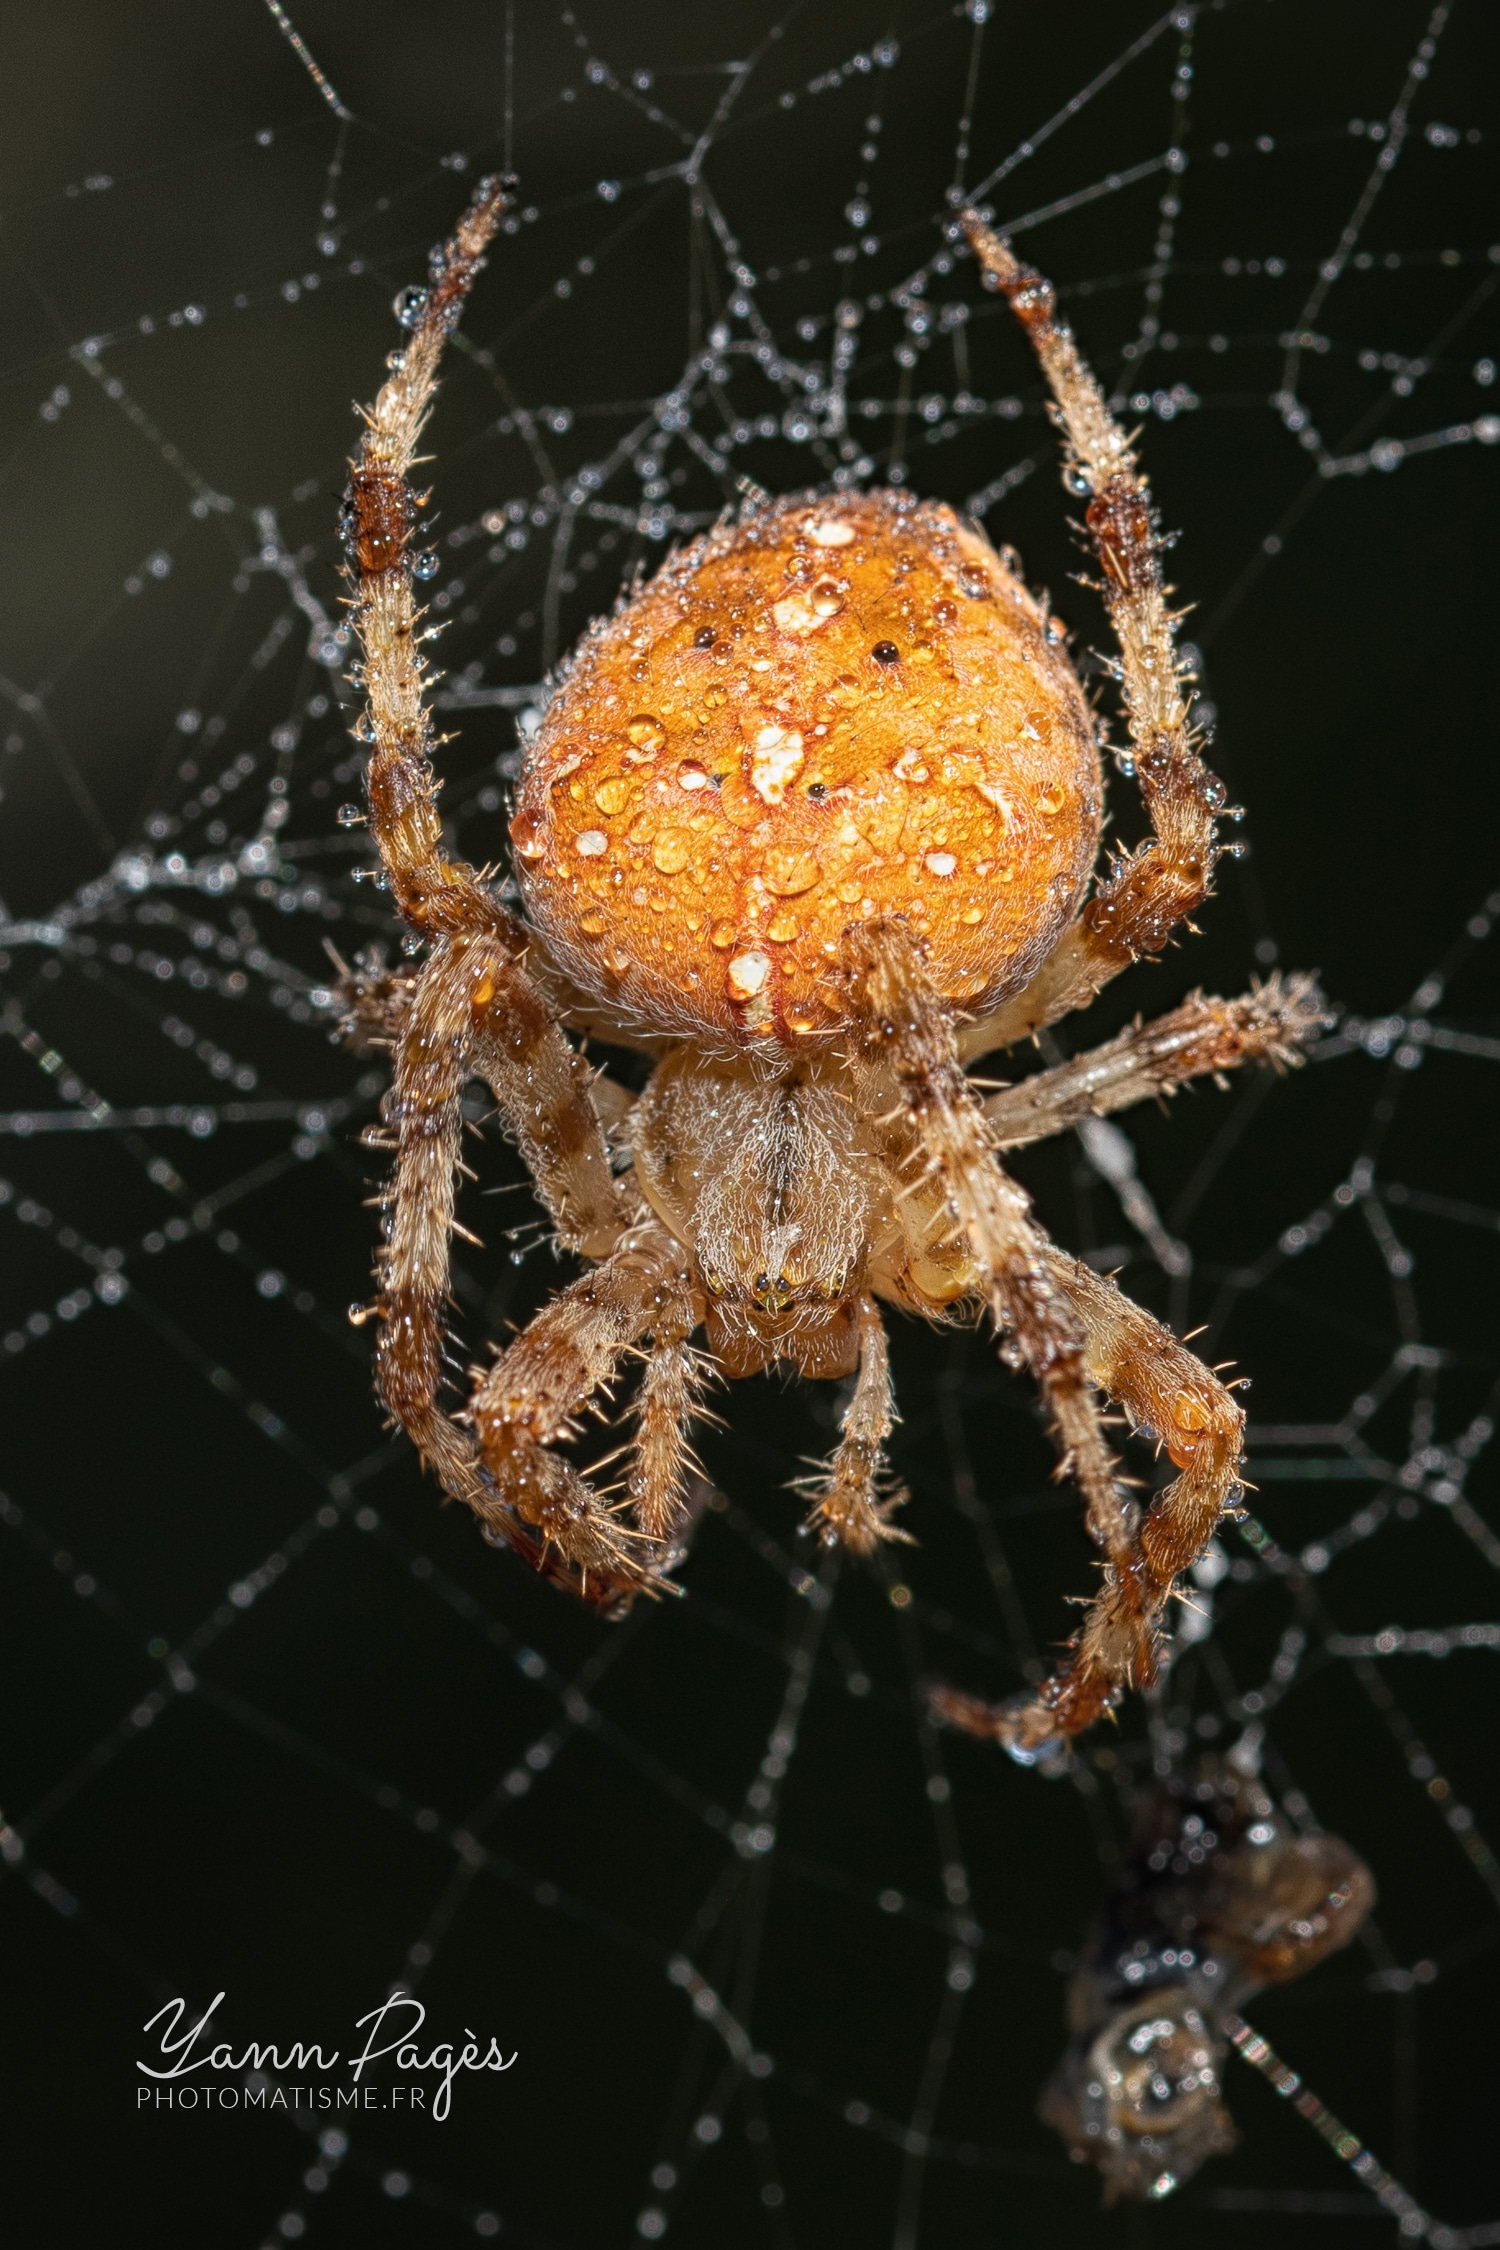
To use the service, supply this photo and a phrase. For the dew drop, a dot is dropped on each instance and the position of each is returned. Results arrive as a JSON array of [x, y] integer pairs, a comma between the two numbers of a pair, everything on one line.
[[722, 936], [670, 852], [804, 612], [783, 929], [350, 816], [616, 960], [646, 732], [528, 834], [408, 305], [591, 923], [613, 795], [425, 565], [789, 872], [944, 612], [910, 767], [975, 581], [971, 915], [1051, 800]]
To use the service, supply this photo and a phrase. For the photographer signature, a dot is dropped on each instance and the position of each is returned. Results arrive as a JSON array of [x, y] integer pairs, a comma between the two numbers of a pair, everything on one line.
[[444, 2061]]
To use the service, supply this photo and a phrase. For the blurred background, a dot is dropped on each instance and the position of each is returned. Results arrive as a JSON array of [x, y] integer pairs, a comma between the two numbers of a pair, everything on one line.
[[780, 1964]]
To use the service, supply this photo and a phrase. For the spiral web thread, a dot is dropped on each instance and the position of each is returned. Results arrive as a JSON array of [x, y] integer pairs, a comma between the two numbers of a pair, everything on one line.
[[217, 904]]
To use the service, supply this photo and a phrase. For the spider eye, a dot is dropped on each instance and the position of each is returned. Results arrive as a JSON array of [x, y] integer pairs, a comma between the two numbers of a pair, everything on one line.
[[817, 789], [705, 637], [886, 652]]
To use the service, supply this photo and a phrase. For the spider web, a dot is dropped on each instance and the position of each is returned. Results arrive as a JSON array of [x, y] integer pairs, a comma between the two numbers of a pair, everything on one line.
[[781, 1963]]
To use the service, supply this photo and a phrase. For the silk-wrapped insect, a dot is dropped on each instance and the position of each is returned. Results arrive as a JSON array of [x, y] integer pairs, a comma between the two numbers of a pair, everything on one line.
[[1221, 1897]]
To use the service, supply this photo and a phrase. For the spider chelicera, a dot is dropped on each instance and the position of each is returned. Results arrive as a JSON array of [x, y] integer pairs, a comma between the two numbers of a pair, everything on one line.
[[812, 819]]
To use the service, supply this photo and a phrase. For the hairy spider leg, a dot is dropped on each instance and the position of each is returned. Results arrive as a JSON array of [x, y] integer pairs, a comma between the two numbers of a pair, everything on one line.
[[1202, 1037], [474, 1009], [908, 1025], [849, 1509], [530, 1398], [1168, 1393], [669, 1401], [432, 1067], [1152, 889], [450, 1028]]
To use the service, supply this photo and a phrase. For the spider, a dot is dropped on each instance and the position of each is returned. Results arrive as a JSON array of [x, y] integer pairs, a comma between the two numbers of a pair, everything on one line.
[[812, 820]]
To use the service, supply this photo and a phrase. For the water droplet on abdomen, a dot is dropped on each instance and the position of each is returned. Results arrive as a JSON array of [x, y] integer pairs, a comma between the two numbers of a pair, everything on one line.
[[528, 834]]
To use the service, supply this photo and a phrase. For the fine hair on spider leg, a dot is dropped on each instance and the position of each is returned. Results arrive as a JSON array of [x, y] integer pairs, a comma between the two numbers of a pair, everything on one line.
[[472, 1010], [811, 819], [1154, 888]]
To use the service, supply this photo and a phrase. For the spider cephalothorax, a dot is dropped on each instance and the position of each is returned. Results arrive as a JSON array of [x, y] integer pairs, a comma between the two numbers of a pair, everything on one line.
[[811, 819]]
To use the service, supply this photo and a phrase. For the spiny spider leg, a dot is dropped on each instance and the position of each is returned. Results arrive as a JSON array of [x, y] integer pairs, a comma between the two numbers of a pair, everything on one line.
[[850, 1510], [1204, 1036], [1154, 887], [373, 1003], [669, 1401], [1170, 1394], [463, 989], [544, 1090], [530, 1399], [909, 1027], [432, 1068], [473, 1008], [370, 1000]]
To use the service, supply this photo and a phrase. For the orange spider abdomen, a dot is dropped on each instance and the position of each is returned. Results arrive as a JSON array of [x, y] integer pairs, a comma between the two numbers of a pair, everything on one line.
[[830, 710]]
